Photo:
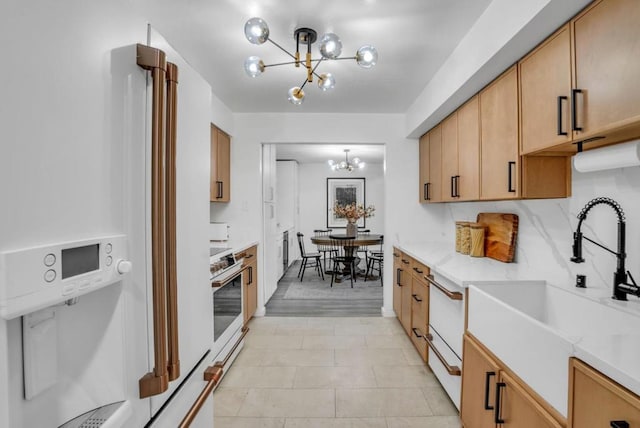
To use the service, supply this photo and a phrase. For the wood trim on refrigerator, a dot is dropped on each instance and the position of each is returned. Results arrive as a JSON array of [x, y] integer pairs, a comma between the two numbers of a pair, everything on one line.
[[173, 360], [157, 381]]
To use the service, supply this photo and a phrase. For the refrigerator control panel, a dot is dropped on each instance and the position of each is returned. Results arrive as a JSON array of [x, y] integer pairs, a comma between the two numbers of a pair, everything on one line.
[[38, 277]]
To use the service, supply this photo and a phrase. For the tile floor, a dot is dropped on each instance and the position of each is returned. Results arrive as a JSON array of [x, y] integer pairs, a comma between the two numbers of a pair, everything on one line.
[[330, 372]]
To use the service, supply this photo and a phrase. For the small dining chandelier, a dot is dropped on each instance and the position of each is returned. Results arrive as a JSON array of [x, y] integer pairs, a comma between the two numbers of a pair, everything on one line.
[[356, 163], [256, 31]]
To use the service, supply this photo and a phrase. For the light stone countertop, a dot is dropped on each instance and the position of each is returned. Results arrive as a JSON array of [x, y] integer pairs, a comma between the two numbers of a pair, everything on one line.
[[615, 355]]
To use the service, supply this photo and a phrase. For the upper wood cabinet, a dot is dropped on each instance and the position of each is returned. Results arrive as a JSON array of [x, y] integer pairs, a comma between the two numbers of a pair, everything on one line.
[[607, 66], [468, 181], [220, 186], [450, 175], [545, 94], [431, 166], [596, 401], [499, 177], [423, 156], [581, 83]]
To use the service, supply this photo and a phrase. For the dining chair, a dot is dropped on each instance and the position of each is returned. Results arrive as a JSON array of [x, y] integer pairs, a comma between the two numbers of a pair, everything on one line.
[[344, 255], [324, 248], [313, 259], [364, 249], [376, 257]]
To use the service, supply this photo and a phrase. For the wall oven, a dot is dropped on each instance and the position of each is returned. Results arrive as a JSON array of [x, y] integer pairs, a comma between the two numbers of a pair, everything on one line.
[[227, 298]]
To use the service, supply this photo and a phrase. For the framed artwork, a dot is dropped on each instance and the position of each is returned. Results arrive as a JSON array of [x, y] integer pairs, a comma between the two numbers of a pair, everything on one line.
[[344, 191]]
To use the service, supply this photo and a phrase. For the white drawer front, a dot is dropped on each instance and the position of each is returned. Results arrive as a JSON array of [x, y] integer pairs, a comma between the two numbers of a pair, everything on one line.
[[447, 315], [451, 383]]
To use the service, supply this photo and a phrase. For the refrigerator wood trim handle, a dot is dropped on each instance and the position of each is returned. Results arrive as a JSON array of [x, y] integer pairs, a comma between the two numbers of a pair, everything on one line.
[[212, 375], [157, 381], [173, 361], [453, 295], [452, 370]]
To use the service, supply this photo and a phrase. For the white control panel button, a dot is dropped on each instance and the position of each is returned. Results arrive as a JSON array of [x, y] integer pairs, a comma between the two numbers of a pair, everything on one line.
[[50, 275], [108, 248], [124, 266], [109, 260], [49, 259]]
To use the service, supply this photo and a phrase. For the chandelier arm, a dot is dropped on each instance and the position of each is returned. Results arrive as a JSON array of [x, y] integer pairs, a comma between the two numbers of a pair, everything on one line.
[[282, 49]]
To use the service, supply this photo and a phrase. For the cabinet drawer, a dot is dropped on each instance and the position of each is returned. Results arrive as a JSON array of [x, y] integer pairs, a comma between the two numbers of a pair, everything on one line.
[[418, 269], [597, 401], [420, 302], [445, 365], [446, 312], [417, 337], [249, 255]]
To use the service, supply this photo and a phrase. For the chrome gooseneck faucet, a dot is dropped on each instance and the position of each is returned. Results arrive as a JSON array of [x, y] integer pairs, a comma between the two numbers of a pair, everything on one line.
[[620, 285]]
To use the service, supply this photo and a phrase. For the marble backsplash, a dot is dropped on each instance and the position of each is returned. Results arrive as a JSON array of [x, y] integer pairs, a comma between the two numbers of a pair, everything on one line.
[[546, 227]]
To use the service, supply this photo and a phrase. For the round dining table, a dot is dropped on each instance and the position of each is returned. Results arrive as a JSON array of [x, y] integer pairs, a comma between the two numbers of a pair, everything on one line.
[[353, 243]]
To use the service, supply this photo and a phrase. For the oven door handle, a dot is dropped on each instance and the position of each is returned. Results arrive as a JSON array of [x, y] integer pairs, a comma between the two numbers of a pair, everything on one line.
[[212, 375], [223, 363]]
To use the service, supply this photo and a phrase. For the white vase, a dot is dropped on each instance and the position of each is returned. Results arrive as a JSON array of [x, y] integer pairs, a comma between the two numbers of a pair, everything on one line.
[[352, 228]]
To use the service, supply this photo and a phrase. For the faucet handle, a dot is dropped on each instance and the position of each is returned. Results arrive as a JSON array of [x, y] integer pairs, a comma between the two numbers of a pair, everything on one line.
[[631, 278]]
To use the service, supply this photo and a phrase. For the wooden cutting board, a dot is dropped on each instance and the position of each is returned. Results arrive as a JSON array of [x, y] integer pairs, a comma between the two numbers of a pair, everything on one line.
[[500, 235]]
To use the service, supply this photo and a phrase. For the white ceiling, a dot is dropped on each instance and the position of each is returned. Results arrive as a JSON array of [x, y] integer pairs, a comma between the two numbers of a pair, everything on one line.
[[413, 38]]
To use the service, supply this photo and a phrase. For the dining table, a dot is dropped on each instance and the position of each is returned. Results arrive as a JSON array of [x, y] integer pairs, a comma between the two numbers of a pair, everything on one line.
[[361, 239]]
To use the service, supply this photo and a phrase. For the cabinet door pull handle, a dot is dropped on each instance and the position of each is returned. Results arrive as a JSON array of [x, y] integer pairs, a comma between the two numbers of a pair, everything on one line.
[[453, 193], [219, 190], [250, 275], [499, 387], [416, 333], [428, 188], [560, 99], [417, 270], [457, 186], [415, 297], [406, 262], [398, 272], [425, 192], [574, 110], [487, 379], [619, 424], [453, 295], [511, 166]]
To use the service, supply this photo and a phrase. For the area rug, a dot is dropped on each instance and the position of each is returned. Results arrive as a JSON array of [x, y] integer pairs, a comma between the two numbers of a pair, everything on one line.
[[313, 287]]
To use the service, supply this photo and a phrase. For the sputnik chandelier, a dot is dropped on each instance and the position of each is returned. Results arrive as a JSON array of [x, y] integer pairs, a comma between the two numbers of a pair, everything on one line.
[[257, 32], [346, 164]]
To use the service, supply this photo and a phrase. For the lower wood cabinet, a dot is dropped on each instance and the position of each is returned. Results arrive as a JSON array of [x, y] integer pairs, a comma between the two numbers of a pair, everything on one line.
[[597, 401], [249, 281], [493, 397]]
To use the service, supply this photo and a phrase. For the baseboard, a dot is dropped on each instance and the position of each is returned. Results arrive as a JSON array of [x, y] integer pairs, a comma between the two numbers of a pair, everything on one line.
[[260, 312], [387, 313]]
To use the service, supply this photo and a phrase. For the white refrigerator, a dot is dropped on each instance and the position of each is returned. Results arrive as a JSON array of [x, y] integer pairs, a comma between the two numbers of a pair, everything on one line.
[[79, 315]]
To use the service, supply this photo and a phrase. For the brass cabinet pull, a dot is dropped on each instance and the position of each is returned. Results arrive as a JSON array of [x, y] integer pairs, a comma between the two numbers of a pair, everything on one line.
[[452, 370], [212, 375], [453, 295]]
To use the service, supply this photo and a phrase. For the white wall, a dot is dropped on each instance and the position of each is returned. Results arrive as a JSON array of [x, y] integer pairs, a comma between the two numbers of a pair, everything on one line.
[[313, 196]]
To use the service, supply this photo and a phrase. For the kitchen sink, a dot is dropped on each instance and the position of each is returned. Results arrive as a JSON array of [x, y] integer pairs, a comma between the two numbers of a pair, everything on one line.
[[532, 328]]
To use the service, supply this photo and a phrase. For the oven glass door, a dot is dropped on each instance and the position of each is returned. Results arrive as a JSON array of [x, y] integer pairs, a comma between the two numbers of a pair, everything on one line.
[[227, 305]]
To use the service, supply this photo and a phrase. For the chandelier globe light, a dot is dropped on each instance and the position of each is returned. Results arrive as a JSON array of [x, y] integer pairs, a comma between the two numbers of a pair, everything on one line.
[[346, 164], [256, 31]]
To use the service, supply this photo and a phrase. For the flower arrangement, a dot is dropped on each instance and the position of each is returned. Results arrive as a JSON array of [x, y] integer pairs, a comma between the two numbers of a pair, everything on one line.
[[352, 212]]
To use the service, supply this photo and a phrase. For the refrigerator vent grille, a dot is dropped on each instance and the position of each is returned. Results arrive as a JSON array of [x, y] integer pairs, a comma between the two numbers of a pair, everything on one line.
[[93, 418]]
